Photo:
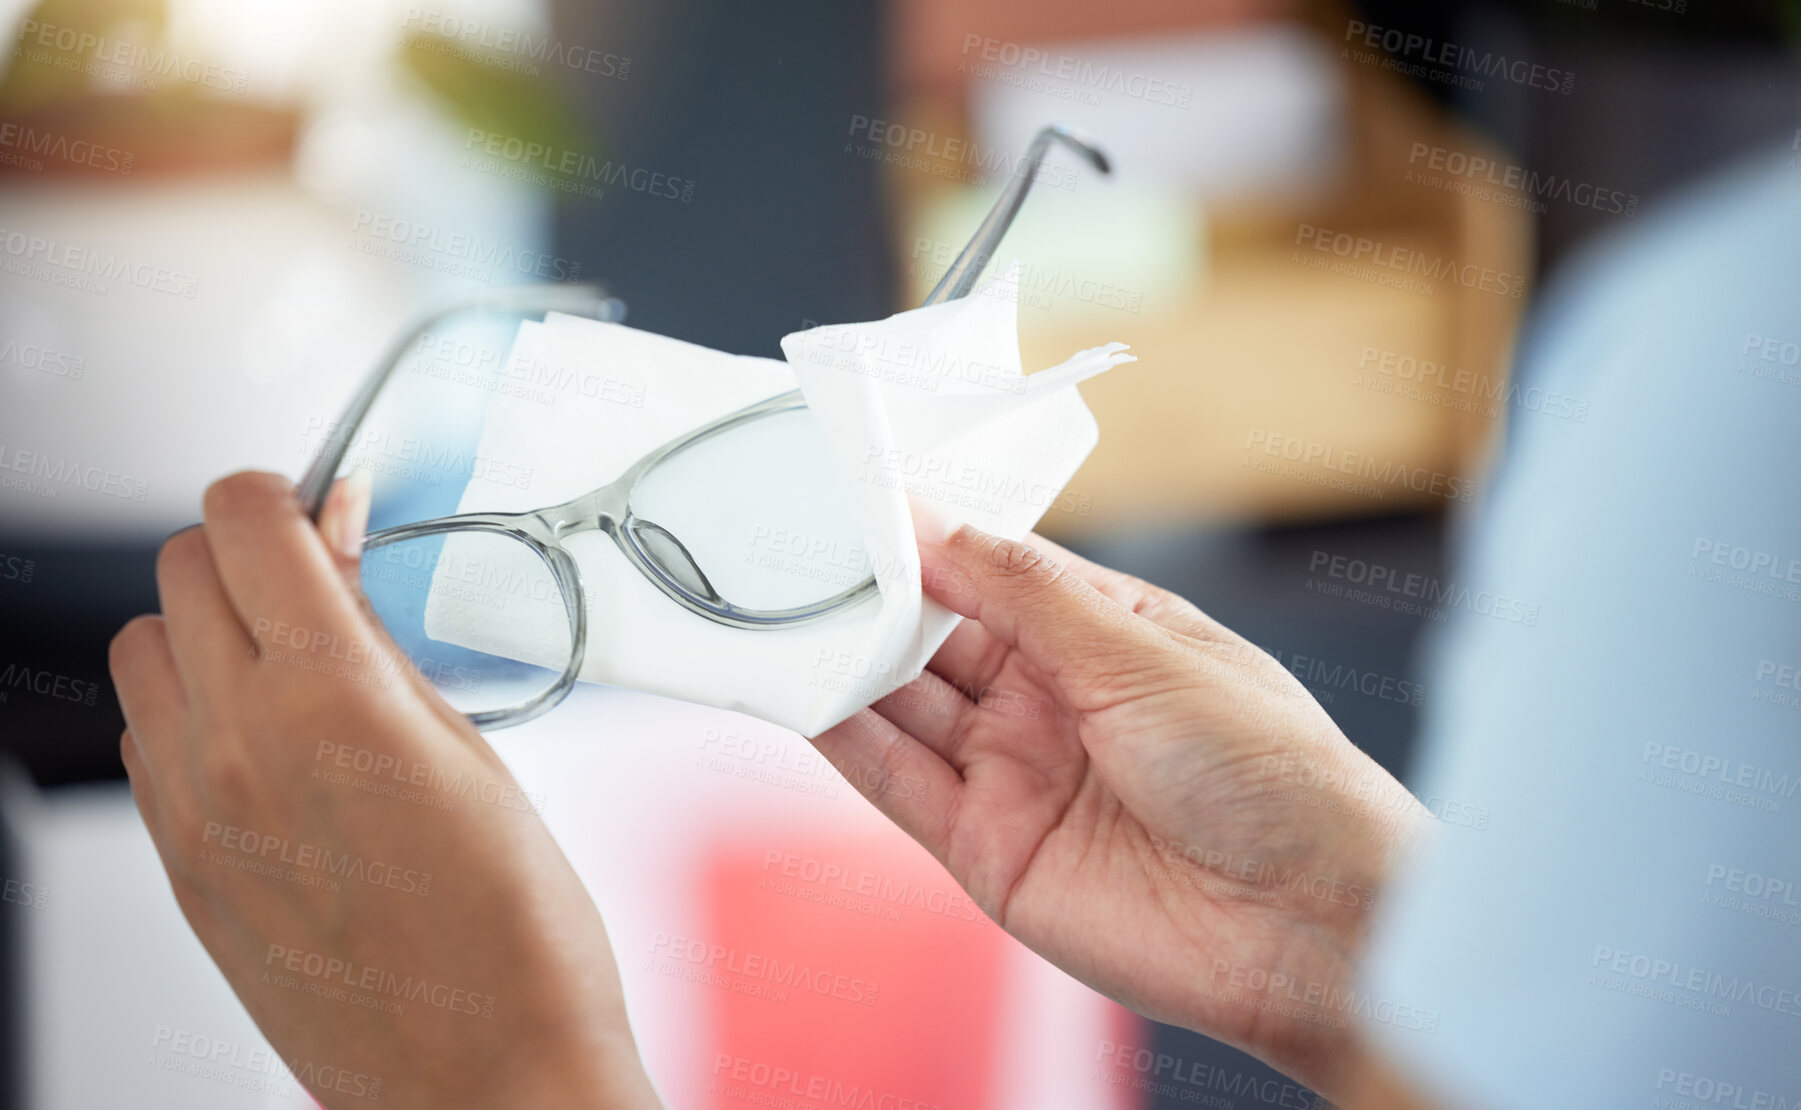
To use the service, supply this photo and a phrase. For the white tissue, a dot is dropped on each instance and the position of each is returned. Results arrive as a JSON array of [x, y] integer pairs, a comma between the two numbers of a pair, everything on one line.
[[927, 411]]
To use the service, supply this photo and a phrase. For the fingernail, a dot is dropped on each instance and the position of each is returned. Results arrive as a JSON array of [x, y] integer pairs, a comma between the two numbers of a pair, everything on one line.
[[348, 513]]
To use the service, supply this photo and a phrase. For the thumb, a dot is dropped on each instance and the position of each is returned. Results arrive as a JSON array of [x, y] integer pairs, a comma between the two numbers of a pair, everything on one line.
[[1032, 602], [343, 521]]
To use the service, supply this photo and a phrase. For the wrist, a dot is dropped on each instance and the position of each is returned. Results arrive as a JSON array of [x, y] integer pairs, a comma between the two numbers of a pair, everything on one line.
[[600, 1073], [1393, 826], [1303, 1006]]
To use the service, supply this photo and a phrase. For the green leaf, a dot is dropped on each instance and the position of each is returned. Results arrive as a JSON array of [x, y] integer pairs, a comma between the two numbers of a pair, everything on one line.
[[486, 90]]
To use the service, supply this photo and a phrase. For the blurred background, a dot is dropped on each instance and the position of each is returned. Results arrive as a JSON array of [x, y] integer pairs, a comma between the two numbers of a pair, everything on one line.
[[214, 212]]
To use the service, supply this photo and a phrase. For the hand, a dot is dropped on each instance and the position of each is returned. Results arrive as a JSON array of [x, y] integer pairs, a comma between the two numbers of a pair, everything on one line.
[[1142, 797], [382, 897]]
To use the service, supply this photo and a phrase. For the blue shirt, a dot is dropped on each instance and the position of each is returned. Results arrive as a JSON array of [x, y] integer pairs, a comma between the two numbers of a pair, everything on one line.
[[1624, 930]]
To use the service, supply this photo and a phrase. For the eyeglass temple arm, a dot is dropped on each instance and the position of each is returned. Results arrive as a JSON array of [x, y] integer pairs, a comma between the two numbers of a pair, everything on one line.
[[963, 274], [957, 281], [316, 482]]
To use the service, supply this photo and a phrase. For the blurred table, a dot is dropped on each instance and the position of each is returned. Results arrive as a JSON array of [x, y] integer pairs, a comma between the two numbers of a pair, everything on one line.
[[1338, 345]]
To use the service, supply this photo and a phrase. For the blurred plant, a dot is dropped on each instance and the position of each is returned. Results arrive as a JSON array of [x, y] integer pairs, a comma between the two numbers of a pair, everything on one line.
[[473, 84], [484, 93], [26, 87]]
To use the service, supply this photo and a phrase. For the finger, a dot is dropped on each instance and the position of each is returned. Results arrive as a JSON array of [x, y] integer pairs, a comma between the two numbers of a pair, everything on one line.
[[970, 658], [344, 519], [150, 688], [344, 523], [279, 573], [144, 793], [143, 787], [1056, 620], [1135, 595], [210, 646], [149, 803], [137, 773], [930, 710], [904, 779]]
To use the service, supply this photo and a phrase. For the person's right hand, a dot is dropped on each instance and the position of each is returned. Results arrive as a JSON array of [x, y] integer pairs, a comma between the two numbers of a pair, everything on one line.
[[366, 872], [1142, 797]]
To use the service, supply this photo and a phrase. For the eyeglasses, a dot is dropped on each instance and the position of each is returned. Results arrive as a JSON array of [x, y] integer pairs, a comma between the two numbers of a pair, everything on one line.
[[679, 514]]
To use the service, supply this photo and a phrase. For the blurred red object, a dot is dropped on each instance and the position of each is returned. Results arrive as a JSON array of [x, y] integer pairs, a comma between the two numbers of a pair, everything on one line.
[[848, 975]]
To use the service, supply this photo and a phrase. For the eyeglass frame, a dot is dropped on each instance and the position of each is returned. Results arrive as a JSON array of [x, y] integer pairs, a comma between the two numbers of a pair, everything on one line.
[[608, 508]]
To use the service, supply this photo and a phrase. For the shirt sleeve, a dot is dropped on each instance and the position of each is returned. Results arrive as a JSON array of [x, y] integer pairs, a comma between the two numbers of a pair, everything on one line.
[[1609, 913]]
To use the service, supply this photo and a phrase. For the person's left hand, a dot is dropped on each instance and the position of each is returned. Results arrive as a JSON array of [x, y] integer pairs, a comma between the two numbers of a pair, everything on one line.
[[360, 864], [1144, 798]]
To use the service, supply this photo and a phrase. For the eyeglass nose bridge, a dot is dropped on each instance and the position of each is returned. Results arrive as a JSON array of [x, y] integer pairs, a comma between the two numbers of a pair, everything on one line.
[[607, 510], [603, 510]]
